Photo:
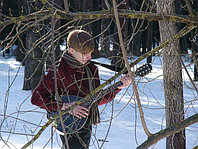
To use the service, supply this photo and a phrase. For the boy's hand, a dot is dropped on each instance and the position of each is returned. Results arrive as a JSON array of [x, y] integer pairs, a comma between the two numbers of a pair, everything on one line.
[[78, 111], [126, 80]]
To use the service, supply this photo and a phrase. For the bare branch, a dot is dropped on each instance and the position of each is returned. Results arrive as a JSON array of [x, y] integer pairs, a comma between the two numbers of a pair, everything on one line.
[[154, 138], [103, 14], [129, 69], [123, 13]]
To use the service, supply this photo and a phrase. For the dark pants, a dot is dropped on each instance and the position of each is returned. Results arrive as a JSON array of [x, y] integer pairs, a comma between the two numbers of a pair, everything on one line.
[[78, 140]]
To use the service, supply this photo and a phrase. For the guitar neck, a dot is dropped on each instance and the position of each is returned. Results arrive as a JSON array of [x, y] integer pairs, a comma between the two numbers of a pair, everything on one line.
[[101, 94], [141, 71], [111, 88]]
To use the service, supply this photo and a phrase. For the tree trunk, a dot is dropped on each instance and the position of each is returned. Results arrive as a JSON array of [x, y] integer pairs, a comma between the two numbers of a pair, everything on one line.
[[105, 29], [94, 27], [195, 55], [56, 24], [172, 73], [184, 42], [105, 39], [147, 39], [195, 49], [21, 40], [33, 64], [117, 58], [136, 42]]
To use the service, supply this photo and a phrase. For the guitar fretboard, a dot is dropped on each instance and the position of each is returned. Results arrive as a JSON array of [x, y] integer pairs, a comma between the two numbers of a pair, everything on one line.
[[141, 71], [101, 94]]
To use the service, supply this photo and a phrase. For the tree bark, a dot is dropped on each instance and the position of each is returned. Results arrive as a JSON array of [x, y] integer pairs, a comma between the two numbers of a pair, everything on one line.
[[94, 27], [172, 72], [195, 55], [33, 65], [105, 29], [195, 49]]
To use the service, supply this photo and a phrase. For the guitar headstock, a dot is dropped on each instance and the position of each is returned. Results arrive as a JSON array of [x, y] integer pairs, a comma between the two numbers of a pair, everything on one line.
[[143, 70]]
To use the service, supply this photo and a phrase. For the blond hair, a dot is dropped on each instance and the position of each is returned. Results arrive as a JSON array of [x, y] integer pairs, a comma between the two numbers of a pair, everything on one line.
[[80, 41]]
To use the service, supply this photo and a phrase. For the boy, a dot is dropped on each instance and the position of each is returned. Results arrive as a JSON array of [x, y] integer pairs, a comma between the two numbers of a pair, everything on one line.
[[76, 75]]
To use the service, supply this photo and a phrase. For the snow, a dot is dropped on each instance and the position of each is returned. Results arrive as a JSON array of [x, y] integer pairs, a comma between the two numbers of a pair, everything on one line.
[[121, 125]]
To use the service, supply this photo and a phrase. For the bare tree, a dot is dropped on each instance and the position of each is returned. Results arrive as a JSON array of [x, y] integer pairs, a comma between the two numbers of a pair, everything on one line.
[[33, 63], [43, 36], [172, 73]]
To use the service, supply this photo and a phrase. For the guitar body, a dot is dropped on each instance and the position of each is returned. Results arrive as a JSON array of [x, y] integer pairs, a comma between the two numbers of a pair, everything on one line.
[[72, 124]]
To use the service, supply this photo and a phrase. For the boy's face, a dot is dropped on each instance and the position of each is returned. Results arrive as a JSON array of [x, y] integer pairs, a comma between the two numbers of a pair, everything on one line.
[[82, 58]]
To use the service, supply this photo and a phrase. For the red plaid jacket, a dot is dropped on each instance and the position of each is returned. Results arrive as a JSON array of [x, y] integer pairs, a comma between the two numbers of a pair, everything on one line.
[[69, 82]]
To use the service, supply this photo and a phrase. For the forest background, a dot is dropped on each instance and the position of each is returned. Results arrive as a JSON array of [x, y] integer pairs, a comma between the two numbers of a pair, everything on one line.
[[122, 30]]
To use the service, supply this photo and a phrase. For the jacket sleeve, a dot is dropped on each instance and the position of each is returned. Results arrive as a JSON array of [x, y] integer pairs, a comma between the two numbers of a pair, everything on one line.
[[43, 95], [107, 98]]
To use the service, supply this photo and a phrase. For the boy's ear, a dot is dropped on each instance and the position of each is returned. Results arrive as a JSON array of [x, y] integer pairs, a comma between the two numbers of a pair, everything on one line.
[[71, 50]]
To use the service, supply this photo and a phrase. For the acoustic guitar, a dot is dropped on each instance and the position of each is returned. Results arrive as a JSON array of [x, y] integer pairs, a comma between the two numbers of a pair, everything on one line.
[[73, 124]]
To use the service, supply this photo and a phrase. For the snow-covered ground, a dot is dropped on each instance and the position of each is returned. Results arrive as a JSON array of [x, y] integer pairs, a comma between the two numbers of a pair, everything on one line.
[[120, 126]]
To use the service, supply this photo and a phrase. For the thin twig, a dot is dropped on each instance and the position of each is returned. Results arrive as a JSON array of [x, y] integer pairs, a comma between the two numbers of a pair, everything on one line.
[[129, 69]]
